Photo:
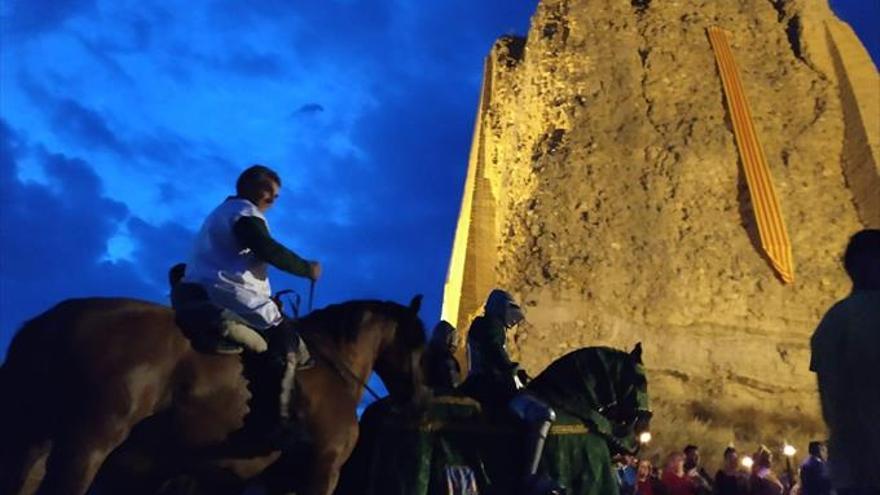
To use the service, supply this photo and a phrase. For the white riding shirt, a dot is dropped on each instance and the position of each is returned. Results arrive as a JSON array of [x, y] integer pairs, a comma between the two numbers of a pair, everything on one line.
[[234, 277]]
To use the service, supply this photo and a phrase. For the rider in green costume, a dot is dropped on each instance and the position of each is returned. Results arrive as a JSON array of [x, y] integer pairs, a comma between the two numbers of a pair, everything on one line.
[[491, 379]]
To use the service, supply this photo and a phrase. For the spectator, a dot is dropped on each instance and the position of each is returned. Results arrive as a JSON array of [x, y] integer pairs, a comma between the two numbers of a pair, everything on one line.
[[647, 483], [763, 480], [845, 351], [626, 474], [674, 480], [695, 472], [730, 480], [815, 478]]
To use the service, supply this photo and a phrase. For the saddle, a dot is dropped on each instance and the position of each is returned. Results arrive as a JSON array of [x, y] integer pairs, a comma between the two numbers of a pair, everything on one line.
[[210, 328]]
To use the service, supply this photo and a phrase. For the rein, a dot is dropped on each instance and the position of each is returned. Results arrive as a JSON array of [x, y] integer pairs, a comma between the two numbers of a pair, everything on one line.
[[341, 369]]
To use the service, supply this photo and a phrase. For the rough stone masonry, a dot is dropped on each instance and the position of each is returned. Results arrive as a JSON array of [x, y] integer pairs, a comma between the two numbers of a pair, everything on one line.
[[606, 192]]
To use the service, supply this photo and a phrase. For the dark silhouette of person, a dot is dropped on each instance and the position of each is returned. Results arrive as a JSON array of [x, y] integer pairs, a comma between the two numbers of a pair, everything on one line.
[[763, 480], [695, 471], [443, 373], [730, 480], [491, 378], [845, 353], [815, 478]]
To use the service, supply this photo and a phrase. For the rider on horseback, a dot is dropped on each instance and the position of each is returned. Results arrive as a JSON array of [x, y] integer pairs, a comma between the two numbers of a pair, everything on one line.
[[229, 263], [492, 375]]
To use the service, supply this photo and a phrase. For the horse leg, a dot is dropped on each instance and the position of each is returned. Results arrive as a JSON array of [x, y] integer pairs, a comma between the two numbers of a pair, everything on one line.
[[328, 462], [19, 474], [77, 454]]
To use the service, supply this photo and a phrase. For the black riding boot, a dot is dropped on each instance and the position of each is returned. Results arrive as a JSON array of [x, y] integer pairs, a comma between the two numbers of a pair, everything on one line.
[[289, 353]]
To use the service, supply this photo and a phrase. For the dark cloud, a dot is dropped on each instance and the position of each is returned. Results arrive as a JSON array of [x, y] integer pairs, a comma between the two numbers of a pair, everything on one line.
[[53, 237], [30, 17], [330, 30], [85, 127], [70, 119], [251, 64], [104, 56], [183, 60], [402, 206], [157, 248], [165, 147], [310, 108], [169, 192]]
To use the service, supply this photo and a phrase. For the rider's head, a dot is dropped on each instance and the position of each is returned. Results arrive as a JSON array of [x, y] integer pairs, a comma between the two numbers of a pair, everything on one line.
[[259, 185], [444, 337], [862, 259], [501, 306]]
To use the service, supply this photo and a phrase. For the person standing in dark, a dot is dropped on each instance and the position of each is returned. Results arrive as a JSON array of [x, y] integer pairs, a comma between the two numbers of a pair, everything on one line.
[[646, 481], [675, 480], [627, 474], [443, 371], [763, 480], [845, 352], [695, 472], [815, 478], [730, 480]]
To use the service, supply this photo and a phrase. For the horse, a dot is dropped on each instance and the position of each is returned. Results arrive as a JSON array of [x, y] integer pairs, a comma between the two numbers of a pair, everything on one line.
[[79, 378], [600, 396]]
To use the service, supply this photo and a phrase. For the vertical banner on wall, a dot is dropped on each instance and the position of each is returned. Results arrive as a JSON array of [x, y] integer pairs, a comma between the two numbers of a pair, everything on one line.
[[771, 227]]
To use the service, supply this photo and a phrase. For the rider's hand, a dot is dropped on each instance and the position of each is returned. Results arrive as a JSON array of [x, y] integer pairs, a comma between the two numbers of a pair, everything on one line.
[[316, 270], [524, 377]]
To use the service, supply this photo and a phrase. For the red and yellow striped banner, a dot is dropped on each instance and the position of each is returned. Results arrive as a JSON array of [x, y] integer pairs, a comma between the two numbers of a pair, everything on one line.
[[771, 227]]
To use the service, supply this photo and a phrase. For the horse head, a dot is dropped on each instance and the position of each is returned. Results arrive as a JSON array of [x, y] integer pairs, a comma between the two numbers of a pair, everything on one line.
[[399, 362], [630, 413], [606, 388]]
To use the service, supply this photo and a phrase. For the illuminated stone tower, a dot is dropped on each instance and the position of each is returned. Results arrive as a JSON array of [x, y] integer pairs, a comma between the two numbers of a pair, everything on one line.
[[606, 191]]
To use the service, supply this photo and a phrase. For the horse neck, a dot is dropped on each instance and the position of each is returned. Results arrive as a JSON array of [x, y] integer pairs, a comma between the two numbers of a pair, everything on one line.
[[360, 354]]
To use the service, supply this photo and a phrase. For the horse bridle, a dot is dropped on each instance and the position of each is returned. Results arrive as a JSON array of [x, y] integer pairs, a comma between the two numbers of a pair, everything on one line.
[[340, 368]]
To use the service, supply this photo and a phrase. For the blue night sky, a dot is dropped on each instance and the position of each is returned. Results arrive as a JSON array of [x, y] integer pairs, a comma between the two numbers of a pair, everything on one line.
[[124, 123]]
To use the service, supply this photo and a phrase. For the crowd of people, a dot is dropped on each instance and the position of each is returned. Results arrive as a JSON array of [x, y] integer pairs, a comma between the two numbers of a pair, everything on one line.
[[682, 473]]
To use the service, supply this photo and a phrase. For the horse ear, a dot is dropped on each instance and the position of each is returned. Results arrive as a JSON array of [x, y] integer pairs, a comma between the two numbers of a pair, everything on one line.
[[416, 304], [636, 353]]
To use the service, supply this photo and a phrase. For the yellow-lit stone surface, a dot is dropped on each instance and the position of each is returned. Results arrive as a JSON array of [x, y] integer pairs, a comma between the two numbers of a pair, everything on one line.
[[605, 191]]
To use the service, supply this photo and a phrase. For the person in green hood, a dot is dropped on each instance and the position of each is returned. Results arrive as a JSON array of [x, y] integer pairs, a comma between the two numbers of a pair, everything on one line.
[[492, 378]]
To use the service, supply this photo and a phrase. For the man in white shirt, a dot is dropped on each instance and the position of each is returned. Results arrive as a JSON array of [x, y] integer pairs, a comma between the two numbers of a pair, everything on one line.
[[230, 261]]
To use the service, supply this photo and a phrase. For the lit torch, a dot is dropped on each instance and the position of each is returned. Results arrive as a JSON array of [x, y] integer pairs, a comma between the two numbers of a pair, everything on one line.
[[747, 462], [789, 451], [645, 438]]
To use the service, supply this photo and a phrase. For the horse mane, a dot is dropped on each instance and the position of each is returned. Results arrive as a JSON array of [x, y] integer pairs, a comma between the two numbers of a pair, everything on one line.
[[342, 321], [586, 375]]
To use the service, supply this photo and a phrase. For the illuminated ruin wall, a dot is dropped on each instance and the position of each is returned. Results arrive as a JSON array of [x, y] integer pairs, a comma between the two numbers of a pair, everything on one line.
[[605, 191]]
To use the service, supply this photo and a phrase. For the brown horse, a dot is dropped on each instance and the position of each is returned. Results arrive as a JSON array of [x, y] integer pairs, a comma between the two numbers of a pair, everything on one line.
[[80, 377]]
